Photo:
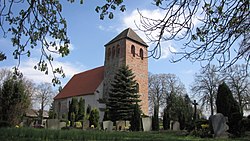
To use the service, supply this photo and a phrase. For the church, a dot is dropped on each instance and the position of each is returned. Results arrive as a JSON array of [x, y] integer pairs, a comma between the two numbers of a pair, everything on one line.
[[127, 48]]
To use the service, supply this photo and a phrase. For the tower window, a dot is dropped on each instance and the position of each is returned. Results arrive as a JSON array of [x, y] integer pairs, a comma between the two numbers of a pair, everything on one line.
[[141, 54], [133, 50], [118, 51], [137, 87], [113, 52]]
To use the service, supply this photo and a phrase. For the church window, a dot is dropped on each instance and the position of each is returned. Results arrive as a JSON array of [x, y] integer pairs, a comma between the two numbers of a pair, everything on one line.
[[118, 51], [109, 53], [133, 50], [113, 52], [137, 87], [141, 54]]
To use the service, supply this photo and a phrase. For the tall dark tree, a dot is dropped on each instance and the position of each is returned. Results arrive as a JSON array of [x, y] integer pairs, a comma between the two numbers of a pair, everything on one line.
[[228, 106], [155, 119], [166, 119], [239, 82], [136, 120], [81, 111], [73, 110], [14, 101], [123, 95]]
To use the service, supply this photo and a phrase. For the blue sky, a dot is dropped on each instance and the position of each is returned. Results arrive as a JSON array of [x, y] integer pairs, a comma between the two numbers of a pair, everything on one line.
[[89, 34]]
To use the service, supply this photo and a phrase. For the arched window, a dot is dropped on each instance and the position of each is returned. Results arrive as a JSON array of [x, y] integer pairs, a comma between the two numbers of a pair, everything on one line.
[[137, 87], [117, 51], [141, 54], [113, 52], [133, 50], [108, 54]]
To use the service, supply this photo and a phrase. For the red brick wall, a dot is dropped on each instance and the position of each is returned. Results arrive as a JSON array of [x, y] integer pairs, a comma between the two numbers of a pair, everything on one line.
[[139, 67]]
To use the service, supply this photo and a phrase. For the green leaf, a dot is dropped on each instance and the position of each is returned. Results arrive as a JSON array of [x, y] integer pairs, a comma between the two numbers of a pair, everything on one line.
[[111, 15], [123, 8], [113, 7], [101, 16], [97, 9]]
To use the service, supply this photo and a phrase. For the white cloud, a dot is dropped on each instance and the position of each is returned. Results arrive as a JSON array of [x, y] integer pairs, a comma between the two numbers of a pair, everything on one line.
[[167, 51], [189, 72], [132, 20], [27, 68], [108, 28]]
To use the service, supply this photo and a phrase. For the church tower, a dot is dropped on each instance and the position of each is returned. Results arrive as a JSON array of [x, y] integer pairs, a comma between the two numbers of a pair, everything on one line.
[[127, 48]]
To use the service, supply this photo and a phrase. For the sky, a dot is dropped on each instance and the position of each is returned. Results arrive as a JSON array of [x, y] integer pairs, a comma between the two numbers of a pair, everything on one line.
[[88, 35]]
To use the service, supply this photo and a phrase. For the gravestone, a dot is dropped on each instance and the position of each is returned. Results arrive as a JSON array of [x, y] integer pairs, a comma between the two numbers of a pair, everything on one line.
[[107, 125], [86, 124], [53, 124], [219, 125], [120, 125], [146, 124], [62, 125], [176, 126], [127, 125]]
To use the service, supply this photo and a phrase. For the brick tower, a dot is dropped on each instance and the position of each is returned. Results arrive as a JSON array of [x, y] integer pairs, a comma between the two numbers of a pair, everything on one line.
[[127, 48]]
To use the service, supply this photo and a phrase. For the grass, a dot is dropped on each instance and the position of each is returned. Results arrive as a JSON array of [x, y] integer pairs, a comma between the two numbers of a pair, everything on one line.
[[30, 134]]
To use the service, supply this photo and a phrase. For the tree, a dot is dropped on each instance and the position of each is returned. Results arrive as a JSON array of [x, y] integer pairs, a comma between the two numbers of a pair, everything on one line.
[[155, 119], [208, 28], [123, 95], [32, 27], [180, 109], [136, 120], [161, 86], [238, 80], [156, 90], [52, 113], [14, 101], [94, 117], [229, 107], [205, 87], [81, 112], [166, 119], [73, 110], [44, 96]]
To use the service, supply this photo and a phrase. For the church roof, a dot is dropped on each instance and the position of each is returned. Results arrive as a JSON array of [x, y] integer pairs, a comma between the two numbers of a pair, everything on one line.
[[83, 83], [128, 34]]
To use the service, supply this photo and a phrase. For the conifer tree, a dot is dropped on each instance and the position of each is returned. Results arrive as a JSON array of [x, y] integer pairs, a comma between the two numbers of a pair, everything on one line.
[[166, 119], [228, 106], [73, 110], [81, 111], [136, 120], [123, 95], [155, 119], [94, 117]]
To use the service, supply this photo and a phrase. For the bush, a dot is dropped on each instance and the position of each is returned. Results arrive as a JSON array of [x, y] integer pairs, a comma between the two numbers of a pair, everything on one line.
[[94, 117], [200, 122], [245, 124], [4, 124]]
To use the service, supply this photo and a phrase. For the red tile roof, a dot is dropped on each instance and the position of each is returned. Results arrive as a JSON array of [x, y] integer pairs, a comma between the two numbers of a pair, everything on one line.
[[83, 83]]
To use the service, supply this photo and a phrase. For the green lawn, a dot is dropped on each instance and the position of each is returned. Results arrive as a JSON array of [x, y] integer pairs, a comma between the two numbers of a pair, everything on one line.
[[29, 134]]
